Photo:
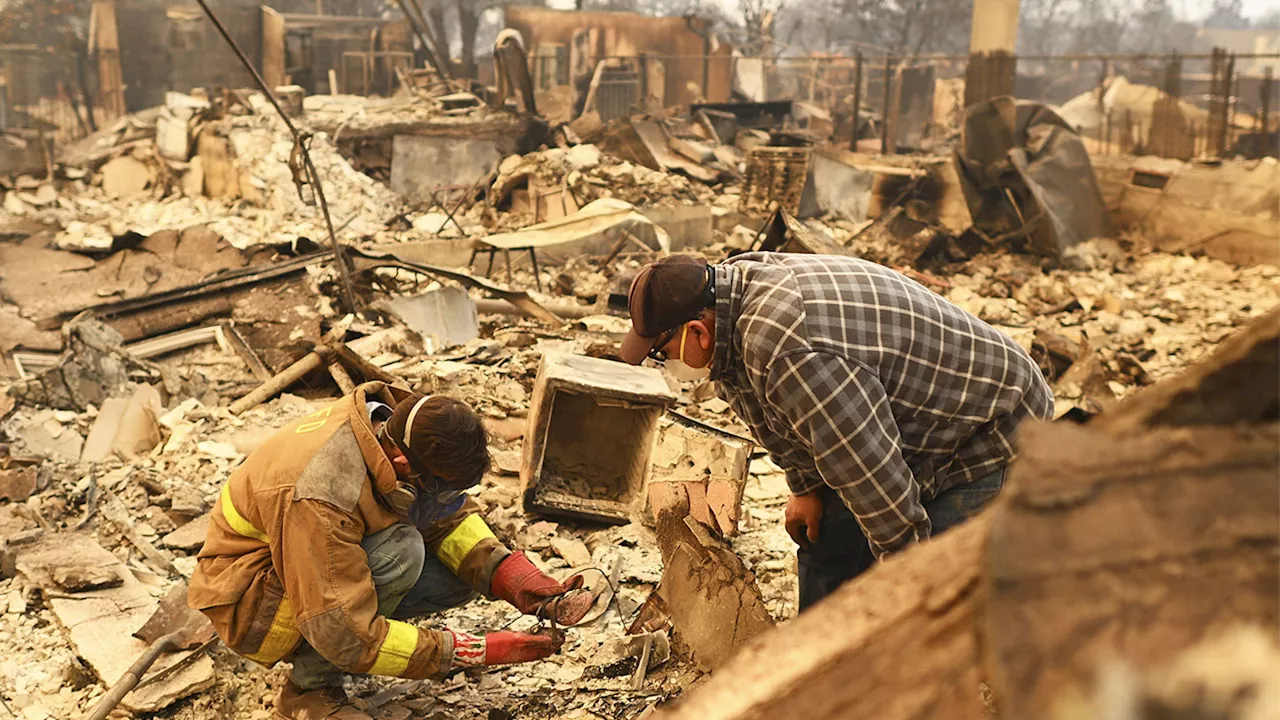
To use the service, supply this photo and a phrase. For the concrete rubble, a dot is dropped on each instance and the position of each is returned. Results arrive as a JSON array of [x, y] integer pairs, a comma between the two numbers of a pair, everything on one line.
[[169, 297]]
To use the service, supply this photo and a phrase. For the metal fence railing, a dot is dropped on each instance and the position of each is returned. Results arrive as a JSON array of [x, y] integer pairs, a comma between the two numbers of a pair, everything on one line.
[[39, 92], [1183, 106]]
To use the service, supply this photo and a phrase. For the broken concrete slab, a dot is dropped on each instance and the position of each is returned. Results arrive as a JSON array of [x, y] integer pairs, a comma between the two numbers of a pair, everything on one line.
[[98, 445], [172, 139], [47, 437], [700, 471], [13, 523], [128, 427], [582, 157], [100, 625], [165, 260], [421, 164], [125, 176], [573, 550], [190, 536], [713, 601], [66, 555], [139, 432], [644, 142], [17, 484], [94, 366], [1225, 212], [689, 227], [44, 194], [187, 502], [81, 578], [695, 150], [577, 399]]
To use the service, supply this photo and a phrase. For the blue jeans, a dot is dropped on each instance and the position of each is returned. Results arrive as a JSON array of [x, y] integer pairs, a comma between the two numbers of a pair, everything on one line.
[[409, 584], [842, 552]]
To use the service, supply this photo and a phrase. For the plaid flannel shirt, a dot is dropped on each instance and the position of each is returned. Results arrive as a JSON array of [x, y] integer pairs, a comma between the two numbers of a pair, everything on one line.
[[855, 376]]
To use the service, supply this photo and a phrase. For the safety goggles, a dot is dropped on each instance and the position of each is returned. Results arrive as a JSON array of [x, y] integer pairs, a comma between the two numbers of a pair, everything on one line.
[[658, 352]]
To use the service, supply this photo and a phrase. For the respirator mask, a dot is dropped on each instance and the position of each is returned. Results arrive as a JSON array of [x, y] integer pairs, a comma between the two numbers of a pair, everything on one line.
[[678, 368], [683, 370]]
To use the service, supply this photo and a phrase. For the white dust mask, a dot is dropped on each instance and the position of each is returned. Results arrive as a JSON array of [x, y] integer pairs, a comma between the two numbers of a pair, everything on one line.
[[682, 370]]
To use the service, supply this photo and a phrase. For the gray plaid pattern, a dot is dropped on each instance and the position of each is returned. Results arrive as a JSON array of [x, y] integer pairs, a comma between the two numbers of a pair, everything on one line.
[[851, 374]]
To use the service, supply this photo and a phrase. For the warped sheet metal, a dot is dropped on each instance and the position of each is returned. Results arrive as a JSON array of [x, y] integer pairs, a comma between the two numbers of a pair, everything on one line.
[[592, 230], [1026, 173]]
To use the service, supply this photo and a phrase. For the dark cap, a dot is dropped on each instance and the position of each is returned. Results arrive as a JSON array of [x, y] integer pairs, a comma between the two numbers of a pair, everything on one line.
[[665, 295], [441, 437]]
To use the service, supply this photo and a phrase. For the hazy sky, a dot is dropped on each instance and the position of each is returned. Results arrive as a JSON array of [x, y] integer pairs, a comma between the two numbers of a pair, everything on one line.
[[1196, 9], [1187, 9]]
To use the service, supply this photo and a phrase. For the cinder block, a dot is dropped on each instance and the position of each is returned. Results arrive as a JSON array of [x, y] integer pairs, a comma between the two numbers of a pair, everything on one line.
[[591, 431], [699, 470]]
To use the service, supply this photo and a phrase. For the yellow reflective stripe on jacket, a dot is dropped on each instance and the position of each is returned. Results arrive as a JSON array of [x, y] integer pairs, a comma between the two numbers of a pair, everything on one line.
[[393, 656], [281, 639], [236, 520], [458, 543]]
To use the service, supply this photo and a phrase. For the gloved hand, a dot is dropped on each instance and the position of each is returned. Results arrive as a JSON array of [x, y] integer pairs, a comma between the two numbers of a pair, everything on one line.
[[802, 518], [533, 592], [501, 648]]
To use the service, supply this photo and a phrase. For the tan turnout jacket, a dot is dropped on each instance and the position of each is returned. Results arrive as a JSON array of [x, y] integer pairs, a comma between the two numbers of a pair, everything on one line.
[[282, 561]]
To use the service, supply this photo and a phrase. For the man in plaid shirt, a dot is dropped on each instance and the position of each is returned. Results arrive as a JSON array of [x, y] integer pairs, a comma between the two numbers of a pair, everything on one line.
[[891, 410]]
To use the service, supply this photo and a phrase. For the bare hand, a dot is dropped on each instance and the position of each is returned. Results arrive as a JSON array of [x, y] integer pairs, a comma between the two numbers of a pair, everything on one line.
[[803, 515]]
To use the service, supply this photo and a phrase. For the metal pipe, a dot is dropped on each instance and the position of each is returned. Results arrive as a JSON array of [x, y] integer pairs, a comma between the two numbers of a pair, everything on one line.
[[1227, 96], [425, 36], [313, 360], [884, 118], [488, 306], [706, 54], [857, 100], [131, 676], [1266, 112], [348, 290]]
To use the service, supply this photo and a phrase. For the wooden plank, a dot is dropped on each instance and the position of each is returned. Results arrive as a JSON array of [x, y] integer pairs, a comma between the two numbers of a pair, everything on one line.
[[1134, 547], [107, 44], [899, 642], [114, 510], [273, 30], [234, 341]]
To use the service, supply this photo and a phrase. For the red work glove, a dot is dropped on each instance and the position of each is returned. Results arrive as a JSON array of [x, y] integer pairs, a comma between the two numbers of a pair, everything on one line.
[[533, 592], [501, 648]]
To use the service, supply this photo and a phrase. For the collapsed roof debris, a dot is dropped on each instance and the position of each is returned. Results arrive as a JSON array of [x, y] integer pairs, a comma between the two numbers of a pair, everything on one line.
[[169, 298]]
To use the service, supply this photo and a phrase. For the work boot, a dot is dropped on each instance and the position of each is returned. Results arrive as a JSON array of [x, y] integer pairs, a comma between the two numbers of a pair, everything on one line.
[[330, 703]]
